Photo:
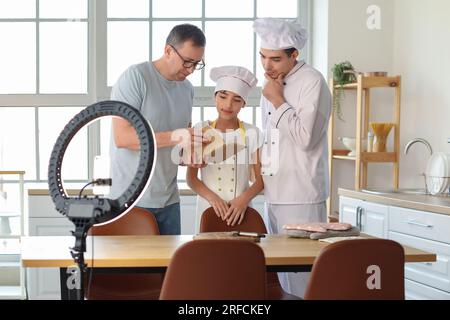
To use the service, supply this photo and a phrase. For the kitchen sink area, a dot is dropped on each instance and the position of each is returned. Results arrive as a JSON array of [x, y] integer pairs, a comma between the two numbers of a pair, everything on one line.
[[405, 191], [397, 191]]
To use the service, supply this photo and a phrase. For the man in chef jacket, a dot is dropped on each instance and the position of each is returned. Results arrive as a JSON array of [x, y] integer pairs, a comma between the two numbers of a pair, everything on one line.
[[296, 105]]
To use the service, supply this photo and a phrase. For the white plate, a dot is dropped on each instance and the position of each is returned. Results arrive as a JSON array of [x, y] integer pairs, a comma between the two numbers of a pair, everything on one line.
[[438, 168]]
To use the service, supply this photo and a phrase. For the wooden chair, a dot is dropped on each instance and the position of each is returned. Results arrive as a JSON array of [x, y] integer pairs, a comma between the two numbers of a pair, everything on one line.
[[216, 270], [132, 286], [252, 223], [363, 269]]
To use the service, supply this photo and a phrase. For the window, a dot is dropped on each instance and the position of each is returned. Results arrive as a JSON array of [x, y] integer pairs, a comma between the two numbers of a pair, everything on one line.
[[17, 143], [45, 73], [44, 46], [229, 35], [59, 56], [75, 164]]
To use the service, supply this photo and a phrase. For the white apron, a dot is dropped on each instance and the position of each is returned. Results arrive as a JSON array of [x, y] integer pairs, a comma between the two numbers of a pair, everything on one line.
[[230, 178], [277, 215]]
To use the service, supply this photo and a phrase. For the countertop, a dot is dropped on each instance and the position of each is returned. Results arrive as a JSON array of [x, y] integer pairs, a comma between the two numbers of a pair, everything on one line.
[[437, 204], [74, 192]]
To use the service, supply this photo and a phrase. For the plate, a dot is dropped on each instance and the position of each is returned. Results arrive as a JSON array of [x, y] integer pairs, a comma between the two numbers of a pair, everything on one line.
[[438, 169]]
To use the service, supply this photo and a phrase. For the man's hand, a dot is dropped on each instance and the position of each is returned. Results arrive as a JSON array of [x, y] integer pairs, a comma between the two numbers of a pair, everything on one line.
[[192, 142], [273, 90]]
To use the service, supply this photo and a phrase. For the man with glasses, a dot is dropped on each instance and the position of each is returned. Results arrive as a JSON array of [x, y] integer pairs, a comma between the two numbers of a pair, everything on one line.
[[160, 90]]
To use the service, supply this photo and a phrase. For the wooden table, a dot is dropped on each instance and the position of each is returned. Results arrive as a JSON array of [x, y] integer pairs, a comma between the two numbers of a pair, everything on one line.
[[153, 253]]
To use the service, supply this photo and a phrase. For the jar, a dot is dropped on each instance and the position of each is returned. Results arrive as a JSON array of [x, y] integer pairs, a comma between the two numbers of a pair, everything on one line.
[[369, 142]]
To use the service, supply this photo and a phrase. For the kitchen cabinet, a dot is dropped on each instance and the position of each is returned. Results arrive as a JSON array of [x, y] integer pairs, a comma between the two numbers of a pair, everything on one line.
[[12, 275], [44, 220], [370, 218], [420, 229]]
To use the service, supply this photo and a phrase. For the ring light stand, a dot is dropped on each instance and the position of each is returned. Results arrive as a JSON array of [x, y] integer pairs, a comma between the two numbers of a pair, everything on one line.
[[85, 212]]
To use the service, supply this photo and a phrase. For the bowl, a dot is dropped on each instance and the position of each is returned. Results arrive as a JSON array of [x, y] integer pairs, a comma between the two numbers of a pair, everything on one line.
[[350, 144]]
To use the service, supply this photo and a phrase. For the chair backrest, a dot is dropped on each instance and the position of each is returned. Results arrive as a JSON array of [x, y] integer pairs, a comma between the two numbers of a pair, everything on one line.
[[136, 222], [130, 286], [216, 270], [363, 269], [252, 222]]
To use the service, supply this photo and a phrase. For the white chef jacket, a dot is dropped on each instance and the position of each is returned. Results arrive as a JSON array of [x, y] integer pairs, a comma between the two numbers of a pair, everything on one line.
[[296, 172], [229, 179]]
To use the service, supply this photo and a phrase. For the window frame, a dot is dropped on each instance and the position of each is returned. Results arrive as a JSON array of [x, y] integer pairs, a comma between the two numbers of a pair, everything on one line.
[[97, 88]]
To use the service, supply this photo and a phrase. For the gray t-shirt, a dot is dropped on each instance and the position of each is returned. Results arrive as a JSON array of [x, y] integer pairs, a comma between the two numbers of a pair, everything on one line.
[[167, 105]]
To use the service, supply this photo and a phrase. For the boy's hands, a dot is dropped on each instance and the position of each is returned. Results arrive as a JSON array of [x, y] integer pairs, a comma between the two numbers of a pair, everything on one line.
[[236, 211], [219, 205]]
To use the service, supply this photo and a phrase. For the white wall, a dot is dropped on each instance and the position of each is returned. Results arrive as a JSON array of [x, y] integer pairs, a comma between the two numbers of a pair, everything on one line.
[[421, 54], [349, 38], [412, 42]]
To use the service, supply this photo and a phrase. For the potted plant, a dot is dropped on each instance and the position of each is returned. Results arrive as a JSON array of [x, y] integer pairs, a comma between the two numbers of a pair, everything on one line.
[[343, 73]]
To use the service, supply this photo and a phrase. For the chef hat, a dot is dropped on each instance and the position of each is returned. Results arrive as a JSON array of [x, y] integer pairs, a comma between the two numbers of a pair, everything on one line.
[[233, 78], [278, 34]]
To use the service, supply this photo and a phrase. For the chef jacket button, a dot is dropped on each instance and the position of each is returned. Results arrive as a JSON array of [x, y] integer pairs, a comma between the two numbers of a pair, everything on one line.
[[218, 168], [271, 175], [232, 180], [232, 169], [231, 190], [273, 142], [220, 189], [263, 172], [265, 142], [220, 178], [270, 113]]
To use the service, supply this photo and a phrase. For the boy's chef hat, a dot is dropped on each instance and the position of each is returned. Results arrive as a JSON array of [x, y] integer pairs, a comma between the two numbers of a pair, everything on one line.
[[234, 78]]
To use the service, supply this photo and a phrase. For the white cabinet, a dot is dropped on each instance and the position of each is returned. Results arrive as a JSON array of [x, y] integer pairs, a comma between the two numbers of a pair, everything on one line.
[[421, 224], [370, 218], [434, 274], [44, 220], [12, 275], [417, 291], [426, 231], [374, 219], [348, 210], [429, 232]]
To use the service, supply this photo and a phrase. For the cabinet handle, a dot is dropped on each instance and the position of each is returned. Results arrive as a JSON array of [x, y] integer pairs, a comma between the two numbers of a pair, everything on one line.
[[360, 218], [359, 211], [357, 216], [415, 223]]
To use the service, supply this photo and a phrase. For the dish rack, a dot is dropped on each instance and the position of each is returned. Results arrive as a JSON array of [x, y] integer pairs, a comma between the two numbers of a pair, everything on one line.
[[437, 185]]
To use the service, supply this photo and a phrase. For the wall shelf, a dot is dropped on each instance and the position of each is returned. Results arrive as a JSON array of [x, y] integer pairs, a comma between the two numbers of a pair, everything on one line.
[[363, 85]]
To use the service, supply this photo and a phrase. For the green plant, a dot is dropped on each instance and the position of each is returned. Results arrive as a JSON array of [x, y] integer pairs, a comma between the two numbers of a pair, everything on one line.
[[343, 73]]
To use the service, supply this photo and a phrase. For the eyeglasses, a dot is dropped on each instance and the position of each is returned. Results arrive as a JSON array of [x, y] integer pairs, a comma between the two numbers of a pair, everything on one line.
[[199, 65]]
